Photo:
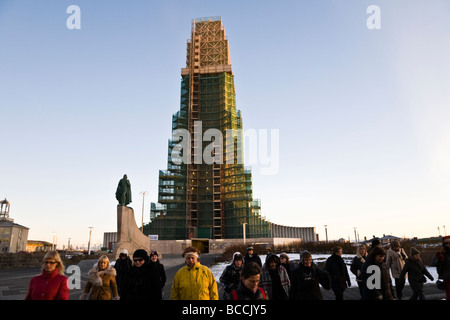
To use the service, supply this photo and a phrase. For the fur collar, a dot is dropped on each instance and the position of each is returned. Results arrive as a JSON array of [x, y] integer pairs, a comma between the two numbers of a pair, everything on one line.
[[95, 279]]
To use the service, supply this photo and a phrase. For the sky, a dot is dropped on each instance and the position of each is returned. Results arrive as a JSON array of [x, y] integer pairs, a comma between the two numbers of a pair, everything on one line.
[[362, 113]]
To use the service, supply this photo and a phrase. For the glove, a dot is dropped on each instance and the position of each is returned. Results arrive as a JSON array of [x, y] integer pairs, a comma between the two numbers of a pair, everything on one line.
[[116, 298]]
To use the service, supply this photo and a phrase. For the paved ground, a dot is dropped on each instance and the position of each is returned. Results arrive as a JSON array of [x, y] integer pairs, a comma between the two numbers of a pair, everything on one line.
[[14, 283]]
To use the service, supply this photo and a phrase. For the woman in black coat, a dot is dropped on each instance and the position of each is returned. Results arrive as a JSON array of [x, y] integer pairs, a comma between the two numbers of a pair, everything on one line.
[[123, 267], [143, 281], [376, 286], [357, 262], [306, 279], [154, 258], [337, 269]]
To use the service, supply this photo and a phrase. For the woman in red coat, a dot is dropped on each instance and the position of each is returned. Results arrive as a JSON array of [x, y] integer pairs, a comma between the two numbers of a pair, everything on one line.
[[51, 284]]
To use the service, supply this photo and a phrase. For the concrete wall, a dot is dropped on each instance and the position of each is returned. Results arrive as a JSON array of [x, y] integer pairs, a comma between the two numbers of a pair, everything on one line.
[[307, 234], [129, 236]]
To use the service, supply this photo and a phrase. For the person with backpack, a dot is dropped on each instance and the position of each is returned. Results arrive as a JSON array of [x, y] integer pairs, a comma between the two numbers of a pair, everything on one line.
[[249, 288]]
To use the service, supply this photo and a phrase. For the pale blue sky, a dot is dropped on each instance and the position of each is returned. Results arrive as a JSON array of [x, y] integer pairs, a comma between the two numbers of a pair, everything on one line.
[[362, 114]]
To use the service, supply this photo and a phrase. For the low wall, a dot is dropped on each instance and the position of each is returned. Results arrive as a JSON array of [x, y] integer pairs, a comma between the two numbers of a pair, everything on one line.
[[215, 246]]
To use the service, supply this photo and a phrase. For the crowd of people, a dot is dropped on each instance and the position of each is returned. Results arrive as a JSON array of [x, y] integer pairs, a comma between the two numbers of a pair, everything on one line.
[[143, 277]]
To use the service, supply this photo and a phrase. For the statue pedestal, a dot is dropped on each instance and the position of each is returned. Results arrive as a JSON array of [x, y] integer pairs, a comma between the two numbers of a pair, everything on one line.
[[129, 236]]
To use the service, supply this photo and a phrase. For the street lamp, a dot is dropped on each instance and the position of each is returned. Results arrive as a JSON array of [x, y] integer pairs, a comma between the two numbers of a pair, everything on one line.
[[89, 243], [356, 239], [54, 241], [243, 229], [143, 196], [326, 232]]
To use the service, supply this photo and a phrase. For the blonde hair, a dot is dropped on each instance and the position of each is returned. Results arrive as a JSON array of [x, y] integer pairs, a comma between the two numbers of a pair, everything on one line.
[[103, 258], [55, 256]]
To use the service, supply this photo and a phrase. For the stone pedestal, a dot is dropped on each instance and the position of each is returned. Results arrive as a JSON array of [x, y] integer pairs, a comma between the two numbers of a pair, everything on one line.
[[129, 236]]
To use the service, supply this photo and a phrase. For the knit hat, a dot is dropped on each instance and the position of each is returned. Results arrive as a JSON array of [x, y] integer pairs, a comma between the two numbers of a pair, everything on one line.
[[414, 251], [249, 248], [153, 253], [237, 256], [124, 251], [375, 242], [140, 253]]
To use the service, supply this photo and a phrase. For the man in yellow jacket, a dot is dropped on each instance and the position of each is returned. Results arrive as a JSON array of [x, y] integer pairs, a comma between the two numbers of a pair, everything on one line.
[[194, 281]]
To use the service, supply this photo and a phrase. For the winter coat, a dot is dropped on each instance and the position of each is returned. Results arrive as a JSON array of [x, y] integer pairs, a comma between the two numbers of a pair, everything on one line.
[[194, 283], [416, 271], [161, 273], [276, 283], [337, 269], [442, 264], [99, 287], [143, 283], [123, 269], [290, 267], [396, 261], [48, 286], [305, 283], [231, 277], [384, 292], [356, 265], [244, 293], [253, 258]]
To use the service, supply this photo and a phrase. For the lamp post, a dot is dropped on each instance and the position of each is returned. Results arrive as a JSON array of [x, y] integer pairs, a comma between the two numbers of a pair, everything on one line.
[[445, 232], [356, 239], [89, 243], [326, 232], [143, 196], [243, 230]]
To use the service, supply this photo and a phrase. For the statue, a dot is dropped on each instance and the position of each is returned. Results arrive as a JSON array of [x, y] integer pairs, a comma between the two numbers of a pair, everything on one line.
[[123, 192]]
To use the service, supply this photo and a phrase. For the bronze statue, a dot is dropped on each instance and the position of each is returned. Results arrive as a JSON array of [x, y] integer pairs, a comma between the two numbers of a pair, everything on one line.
[[123, 192]]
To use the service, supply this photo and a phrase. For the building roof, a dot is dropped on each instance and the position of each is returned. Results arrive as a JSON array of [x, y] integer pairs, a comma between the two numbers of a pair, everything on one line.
[[7, 223], [45, 243]]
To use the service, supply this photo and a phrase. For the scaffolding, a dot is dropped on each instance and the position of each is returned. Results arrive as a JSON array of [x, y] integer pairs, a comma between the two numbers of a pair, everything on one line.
[[198, 199]]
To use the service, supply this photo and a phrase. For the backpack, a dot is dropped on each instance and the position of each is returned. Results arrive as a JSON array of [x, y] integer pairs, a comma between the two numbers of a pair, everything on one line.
[[234, 294]]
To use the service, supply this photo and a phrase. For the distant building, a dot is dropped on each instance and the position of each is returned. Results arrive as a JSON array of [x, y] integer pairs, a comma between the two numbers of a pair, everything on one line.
[[108, 239], [38, 246], [13, 236]]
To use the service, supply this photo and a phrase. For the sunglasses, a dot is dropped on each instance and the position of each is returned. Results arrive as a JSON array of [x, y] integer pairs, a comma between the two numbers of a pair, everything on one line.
[[138, 260], [49, 262]]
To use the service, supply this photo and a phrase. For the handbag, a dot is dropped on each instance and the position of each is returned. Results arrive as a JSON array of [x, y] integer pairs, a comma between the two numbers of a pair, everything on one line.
[[440, 285]]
